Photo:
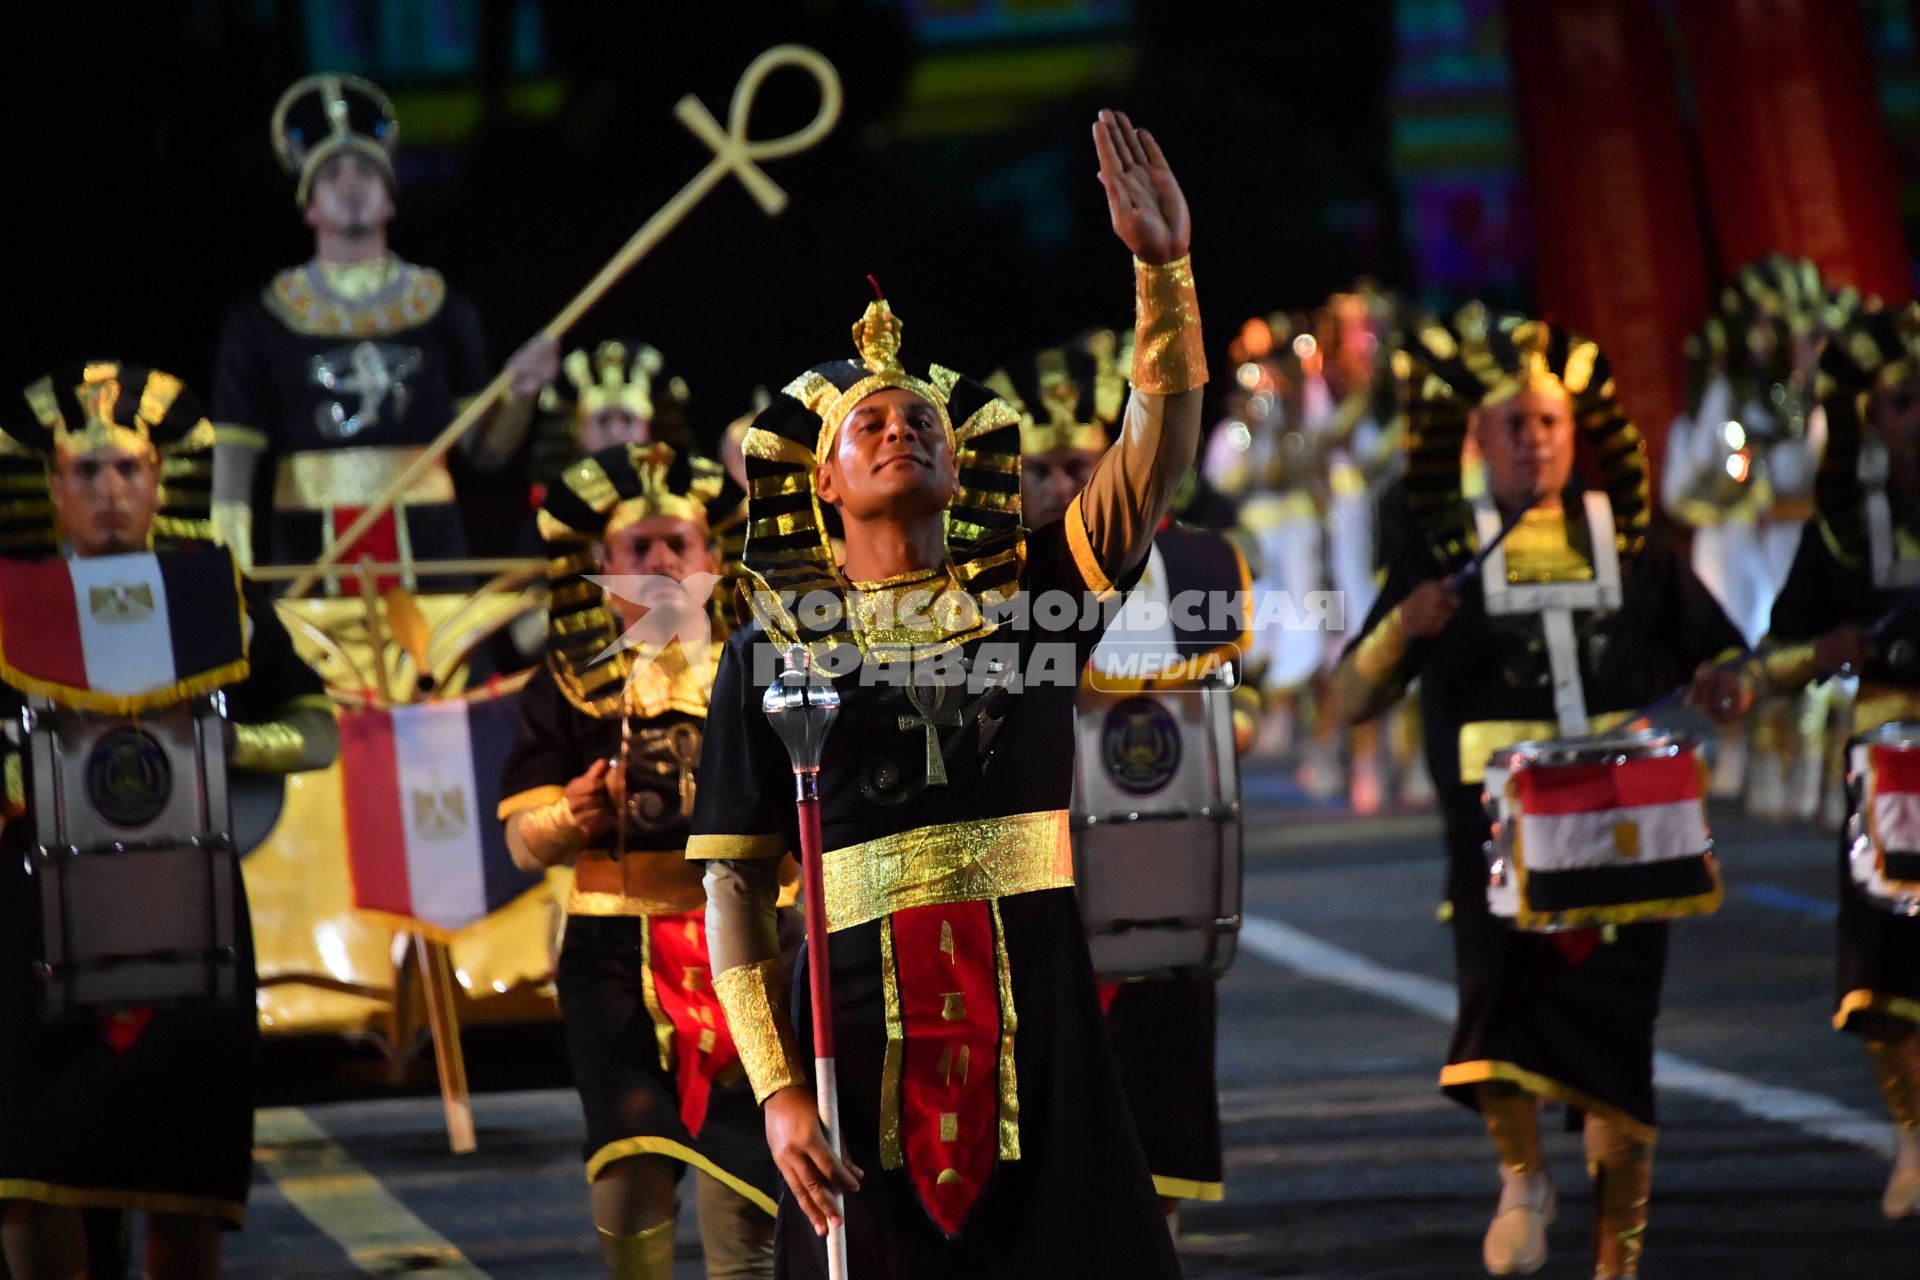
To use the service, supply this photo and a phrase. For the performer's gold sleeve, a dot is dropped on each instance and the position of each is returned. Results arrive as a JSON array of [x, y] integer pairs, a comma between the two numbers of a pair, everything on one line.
[[1373, 675], [305, 736], [1110, 526], [743, 945], [547, 835], [1788, 668]]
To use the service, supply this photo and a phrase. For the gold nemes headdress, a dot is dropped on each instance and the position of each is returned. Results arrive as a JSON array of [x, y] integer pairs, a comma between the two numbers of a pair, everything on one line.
[[1081, 389]]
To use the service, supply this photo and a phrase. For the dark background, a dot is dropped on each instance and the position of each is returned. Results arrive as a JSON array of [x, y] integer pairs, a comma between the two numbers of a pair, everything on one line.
[[145, 200]]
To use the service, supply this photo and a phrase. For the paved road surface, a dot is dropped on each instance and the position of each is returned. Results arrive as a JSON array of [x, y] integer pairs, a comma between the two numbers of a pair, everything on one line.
[[1342, 1158]]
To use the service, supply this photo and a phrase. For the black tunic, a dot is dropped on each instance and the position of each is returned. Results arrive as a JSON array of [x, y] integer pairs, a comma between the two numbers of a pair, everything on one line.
[[1079, 1200], [274, 379], [1559, 1015], [1879, 952], [631, 1100], [165, 1123]]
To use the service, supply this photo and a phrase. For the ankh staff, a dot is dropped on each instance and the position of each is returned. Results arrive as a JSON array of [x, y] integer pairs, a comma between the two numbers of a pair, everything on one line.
[[733, 153]]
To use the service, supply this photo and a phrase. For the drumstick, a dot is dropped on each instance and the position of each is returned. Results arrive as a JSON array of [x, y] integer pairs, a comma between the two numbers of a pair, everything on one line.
[[733, 152], [1876, 632], [1466, 575]]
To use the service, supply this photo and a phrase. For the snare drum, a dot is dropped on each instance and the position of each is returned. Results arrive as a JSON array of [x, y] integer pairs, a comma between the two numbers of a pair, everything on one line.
[[1602, 830], [1883, 825], [1156, 831], [133, 861]]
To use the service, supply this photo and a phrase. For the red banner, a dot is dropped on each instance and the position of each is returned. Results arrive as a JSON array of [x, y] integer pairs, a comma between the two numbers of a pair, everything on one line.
[[1616, 227], [1792, 140]]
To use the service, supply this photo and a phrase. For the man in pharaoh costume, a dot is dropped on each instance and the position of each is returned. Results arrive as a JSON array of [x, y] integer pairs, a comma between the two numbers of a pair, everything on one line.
[[603, 776], [1740, 470], [1581, 615], [330, 382], [1847, 609], [985, 1127], [138, 1109], [1163, 1030]]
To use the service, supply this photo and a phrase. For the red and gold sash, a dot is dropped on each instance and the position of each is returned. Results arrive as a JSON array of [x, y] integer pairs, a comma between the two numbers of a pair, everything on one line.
[[692, 1031]]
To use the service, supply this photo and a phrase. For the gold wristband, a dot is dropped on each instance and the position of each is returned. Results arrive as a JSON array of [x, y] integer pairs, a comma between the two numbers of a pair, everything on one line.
[[1380, 653], [1789, 668], [271, 746], [16, 786], [751, 996], [550, 833], [233, 529], [1168, 353]]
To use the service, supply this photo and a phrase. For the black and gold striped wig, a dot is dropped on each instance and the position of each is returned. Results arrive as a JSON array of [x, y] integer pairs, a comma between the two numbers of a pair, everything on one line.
[[788, 549], [595, 498], [106, 405], [1483, 358], [1880, 348]]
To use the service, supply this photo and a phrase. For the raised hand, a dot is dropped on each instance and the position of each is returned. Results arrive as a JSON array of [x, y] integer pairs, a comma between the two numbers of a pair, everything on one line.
[[1149, 213]]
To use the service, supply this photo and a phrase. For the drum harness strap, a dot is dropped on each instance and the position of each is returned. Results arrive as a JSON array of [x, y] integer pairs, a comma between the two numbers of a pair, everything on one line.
[[1555, 602]]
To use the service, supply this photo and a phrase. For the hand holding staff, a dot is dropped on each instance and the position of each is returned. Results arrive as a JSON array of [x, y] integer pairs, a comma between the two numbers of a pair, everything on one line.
[[802, 705], [733, 153]]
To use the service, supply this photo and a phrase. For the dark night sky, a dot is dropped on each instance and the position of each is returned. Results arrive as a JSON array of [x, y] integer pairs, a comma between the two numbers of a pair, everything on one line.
[[145, 199]]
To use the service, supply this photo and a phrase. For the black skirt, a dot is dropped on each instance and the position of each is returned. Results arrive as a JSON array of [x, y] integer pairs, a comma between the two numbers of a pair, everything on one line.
[[1079, 1201], [1568, 1017], [156, 1118], [632, 1101], [1163, 1035], [1879, 964]]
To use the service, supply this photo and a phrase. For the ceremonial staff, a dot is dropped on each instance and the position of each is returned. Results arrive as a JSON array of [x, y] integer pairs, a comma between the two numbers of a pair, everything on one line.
[[802, 704], [733, 153]]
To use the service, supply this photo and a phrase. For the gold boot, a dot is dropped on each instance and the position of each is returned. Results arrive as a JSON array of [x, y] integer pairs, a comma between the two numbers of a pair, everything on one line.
[[645, 1255], [1516, 1240], [1896, 1064], [1622, 1171]]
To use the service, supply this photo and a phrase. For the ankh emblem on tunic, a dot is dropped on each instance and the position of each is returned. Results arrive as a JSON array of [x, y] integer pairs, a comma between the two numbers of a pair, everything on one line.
[[935, 709]]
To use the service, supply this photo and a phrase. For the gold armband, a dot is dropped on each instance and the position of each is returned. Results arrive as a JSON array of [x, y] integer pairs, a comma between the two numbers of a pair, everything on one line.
[[233, 529], [16, 786], [1380, 653], [272, 746], [1168, 354], [550, 833], [1789, 668], [750, 995]]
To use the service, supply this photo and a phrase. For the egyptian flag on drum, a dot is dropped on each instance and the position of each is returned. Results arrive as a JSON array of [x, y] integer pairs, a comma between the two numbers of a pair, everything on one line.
[[421, 786], [1613, 843], [122, 634], [1891, 805]]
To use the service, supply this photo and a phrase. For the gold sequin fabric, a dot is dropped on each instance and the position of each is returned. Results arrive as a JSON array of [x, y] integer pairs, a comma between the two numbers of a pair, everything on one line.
[[1169, 355], [1540, 549], [636, 884], [270, 747], [971, 861], [748, 994]]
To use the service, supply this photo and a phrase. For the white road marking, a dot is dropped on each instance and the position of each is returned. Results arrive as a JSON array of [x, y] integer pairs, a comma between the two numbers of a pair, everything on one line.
[[1810, 1113], [319, 1178]]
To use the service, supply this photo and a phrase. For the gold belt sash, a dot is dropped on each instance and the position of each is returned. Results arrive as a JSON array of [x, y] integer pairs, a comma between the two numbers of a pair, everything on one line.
[[1877, 704], [326, 479], [639, 884], [1482, 738], [972, 861]]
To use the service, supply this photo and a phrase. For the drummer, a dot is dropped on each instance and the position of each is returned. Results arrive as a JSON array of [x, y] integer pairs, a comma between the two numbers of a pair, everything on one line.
[[1566, 1017], [659, 1076], [1858, 562], [1163, 1031], [143, 1110]]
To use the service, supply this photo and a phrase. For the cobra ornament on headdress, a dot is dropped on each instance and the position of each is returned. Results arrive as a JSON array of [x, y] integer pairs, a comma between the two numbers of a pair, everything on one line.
[[106, 405], [788, 552], [1877, 348], [596, 498], [1484, 358]]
